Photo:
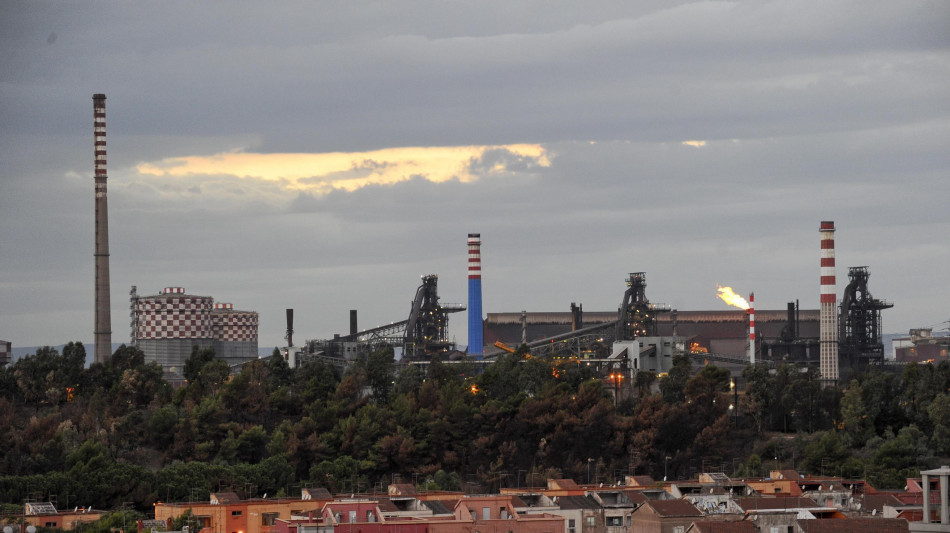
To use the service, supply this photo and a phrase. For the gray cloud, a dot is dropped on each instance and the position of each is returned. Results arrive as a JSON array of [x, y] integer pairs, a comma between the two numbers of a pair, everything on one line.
[[810, 111]]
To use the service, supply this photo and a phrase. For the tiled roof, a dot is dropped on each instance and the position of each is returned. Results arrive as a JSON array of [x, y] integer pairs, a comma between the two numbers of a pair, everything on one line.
[[223, 498], [402, 489], [917, 498], [635, 496], [386, 505], [576, 502], [563, 484], [854, 525], [776, 504], [438, 507], [787, 474], [718, 526], [317, 493], [642, 481], [671, 508], [878, 501], [516, 501]]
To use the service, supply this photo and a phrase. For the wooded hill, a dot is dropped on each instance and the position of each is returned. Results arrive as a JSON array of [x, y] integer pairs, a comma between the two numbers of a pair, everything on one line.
[[117, 432]]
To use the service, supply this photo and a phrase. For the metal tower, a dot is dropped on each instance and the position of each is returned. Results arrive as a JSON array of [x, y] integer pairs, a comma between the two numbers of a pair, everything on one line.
[[859, 337], [428, 322], [636, 316]]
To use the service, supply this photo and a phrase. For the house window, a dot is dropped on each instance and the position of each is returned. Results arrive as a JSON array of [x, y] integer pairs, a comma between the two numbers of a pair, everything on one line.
[[629, 520], [486, 513], [590, 521], [237, 513], [614, 521], [679, 529], [352, 517], [269, 519], [571, 526]]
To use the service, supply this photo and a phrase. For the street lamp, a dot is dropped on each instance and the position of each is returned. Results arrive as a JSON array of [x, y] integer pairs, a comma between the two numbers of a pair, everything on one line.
[[616, 378]]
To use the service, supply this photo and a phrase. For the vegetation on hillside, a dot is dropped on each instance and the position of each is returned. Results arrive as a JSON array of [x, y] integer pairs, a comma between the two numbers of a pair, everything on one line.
[[116, 432]]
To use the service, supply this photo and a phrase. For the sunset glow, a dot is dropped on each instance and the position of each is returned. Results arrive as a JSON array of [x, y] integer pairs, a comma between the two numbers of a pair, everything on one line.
[[321, 173]]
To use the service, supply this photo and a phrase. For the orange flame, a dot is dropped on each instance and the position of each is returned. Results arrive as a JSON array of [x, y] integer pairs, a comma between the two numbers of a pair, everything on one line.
[[729, 296]]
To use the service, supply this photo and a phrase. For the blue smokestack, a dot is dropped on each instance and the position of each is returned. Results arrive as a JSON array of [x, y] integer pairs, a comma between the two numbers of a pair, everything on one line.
[[475, 342]]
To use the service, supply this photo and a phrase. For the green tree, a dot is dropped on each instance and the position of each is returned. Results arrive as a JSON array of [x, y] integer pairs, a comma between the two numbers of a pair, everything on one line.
[[123, 519], [900, 458], [341, 474], [760, 396], [672, 387], [938, 413], [854, 415], [49, 377], [162, 425], [825, 454], [196, 361], [316, 381], [380, 373]]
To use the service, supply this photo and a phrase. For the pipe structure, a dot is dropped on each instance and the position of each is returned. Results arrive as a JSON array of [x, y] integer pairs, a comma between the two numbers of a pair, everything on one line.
[[475, 341], [290, 328], [752, 328], [103, 319], [828, 313]]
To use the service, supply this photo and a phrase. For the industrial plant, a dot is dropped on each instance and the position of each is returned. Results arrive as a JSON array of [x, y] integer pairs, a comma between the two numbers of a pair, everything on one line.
[[168, 325], [639, 336]]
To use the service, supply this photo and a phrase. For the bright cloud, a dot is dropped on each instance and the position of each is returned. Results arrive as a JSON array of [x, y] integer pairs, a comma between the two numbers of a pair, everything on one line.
[[321, 173], [695, 144]]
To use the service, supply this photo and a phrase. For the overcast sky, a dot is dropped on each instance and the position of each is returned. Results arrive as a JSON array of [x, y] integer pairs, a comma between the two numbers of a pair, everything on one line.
[[323, 156]]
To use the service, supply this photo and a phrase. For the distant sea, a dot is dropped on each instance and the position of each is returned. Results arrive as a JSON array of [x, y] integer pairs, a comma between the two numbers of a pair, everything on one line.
[[18, 352]]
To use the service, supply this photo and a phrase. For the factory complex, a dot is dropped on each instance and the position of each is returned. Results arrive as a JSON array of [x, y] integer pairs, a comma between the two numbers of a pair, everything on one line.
[[169, 325], [841, 338]]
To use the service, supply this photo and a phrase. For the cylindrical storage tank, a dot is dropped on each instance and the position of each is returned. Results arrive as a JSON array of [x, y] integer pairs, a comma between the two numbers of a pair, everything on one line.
[[170, 324], [234, 333]]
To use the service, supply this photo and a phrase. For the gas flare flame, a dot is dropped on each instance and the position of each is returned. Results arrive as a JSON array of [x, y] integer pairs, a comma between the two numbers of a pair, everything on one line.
[[729, 296]]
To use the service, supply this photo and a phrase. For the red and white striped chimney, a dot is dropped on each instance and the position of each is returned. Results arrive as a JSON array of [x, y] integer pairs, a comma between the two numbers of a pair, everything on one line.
[[828, 314], [752, 328], [103, 312]]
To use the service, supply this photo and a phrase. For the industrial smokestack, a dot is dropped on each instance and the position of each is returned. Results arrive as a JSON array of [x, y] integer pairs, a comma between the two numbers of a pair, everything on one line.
[[475, 344], [290, 328], [828, 327], [524, 327], [752, 328], [353, 329], [103, 325]]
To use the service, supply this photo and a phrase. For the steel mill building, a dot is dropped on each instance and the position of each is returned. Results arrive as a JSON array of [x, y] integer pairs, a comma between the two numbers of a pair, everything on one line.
[[167, 325]]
